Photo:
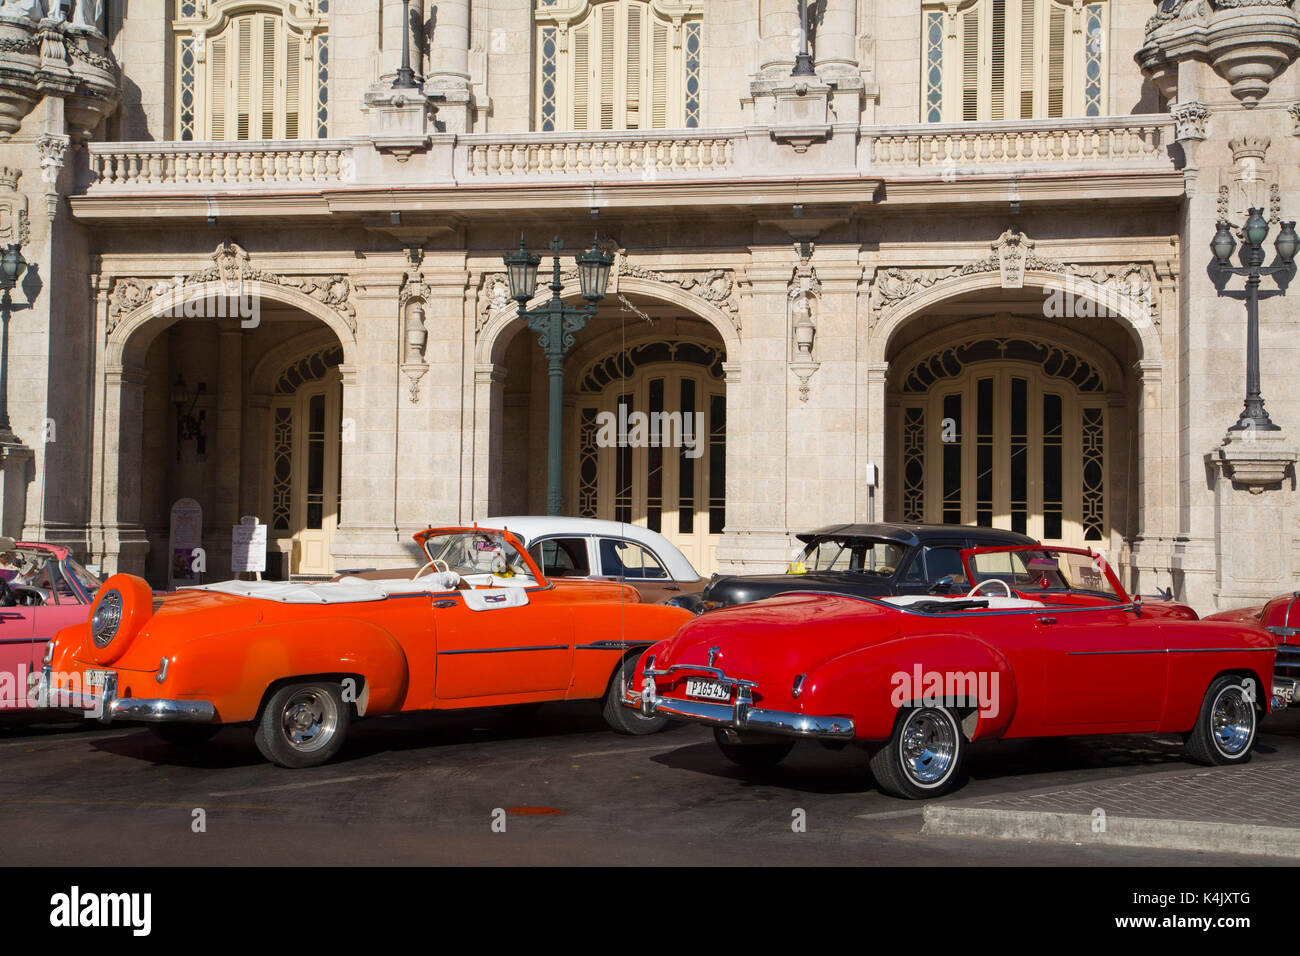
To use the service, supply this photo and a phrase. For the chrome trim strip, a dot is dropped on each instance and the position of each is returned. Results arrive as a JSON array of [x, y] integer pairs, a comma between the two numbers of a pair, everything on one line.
[[1174, 650], [612, 645], [503, 650], [1277, 631]]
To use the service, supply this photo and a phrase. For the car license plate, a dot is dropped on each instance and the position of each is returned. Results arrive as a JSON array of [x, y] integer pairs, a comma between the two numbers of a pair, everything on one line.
[[96, 679], [708, 690]]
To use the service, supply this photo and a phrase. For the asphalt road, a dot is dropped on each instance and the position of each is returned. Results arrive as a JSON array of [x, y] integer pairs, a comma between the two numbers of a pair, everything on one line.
[[428, 789]]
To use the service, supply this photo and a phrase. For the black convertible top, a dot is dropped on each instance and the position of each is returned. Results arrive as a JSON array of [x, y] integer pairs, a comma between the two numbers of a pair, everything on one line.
[[915, 533]]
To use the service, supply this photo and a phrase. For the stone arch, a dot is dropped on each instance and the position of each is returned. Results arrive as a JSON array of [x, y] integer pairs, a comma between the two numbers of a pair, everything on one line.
[[504, 323], [1002, 326], [262, 379], [131, 337], [1133, 319]]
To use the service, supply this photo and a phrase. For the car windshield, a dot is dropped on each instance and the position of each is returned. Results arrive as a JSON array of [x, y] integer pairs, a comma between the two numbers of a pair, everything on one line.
[[475, 552], [868, 555], [87, 581], [1044, 570]]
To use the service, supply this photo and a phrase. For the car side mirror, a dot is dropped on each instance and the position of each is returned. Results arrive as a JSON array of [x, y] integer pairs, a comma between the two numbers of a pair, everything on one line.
[[943, 584]]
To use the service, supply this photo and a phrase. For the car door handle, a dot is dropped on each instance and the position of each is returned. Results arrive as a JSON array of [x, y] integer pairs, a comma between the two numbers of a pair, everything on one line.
[[1047, 620], [671, 587], [444, 603]]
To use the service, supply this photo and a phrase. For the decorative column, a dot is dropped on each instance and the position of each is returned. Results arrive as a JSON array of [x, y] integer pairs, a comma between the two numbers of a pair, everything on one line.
[[778, 32], [448, 83], [835, 42]]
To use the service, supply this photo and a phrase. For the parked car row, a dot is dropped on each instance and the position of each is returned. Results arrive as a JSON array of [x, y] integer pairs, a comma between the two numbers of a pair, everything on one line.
[[906, 641]]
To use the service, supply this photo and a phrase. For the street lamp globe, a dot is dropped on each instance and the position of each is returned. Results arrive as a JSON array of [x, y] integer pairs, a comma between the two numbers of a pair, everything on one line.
[[12, 265], [1256, 227], [1223, 244], [521, 272], [593, 272], [1287, 243]]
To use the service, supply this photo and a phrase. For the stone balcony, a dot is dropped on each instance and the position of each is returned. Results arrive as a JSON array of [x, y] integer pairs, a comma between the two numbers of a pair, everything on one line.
[[445, 171]]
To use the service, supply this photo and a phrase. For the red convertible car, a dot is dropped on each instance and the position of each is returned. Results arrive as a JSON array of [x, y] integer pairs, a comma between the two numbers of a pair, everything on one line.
[[1281, 618], [1047, 643]]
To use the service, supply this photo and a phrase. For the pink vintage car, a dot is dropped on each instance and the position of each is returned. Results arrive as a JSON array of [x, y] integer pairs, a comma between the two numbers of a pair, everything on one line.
[[42, 589]]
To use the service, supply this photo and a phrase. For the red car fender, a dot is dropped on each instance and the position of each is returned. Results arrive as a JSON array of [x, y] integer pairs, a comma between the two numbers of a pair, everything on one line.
[[870, 684], [271, 653]]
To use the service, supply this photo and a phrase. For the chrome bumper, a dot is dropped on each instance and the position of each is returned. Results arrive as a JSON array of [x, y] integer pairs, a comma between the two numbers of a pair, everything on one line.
[[1286, 692], [740, 714], [107, 706]]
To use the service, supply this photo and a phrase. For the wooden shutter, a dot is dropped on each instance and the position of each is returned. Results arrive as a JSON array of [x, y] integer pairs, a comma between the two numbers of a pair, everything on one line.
[[292, 87], [243, 76], [581, 76], [635, 65], [1028, 50], [267, 78], [998, 61], [217, 89], [1056, 62], [608, 37], [659, 91], [970, 61]]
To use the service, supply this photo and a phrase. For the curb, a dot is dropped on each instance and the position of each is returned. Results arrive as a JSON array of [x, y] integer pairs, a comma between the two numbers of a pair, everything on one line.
[[1143, 832]]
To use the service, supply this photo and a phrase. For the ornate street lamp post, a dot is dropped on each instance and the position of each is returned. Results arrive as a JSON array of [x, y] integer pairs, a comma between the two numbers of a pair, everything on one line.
[[803, 64], [405, 78], [12, 266], [1253, 416], [556, 324]]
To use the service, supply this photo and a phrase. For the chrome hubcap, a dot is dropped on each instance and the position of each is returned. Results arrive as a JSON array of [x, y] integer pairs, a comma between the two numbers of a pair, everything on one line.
[[928, 746], [309, 719], [1232, 721]]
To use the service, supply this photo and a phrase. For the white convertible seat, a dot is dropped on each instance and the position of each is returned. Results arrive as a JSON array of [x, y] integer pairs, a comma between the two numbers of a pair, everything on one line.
[[995, 603], [432, 581], [344, 591], [324, 592], [492, 599]]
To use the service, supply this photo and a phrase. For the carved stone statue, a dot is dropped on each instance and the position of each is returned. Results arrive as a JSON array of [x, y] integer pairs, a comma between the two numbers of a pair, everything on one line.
[[87, 13], [32, 9]]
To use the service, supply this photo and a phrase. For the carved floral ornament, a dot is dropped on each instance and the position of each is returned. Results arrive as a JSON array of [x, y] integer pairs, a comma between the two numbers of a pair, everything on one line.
[[716, 287], [232, 268], [1130, 289]]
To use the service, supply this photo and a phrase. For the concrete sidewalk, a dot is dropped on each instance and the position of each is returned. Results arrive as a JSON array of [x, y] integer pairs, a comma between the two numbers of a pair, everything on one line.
[[1253, 810]]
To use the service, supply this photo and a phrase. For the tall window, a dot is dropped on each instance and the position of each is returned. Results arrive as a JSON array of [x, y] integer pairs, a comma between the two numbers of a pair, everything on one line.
[[251, 69], [1013, 59], [618, 64]]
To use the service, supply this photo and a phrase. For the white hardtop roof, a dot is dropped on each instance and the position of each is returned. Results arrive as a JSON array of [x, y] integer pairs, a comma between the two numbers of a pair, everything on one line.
[[529, 528]]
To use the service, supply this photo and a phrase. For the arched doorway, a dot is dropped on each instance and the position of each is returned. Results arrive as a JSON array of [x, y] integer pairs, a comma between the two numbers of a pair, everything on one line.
[[260, 400], [645, 423], [651, 442], [1002, 424], [300, 488]]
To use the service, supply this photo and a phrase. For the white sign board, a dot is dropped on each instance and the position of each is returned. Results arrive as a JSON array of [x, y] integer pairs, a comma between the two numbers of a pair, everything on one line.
[[186, 543], [248, 547]]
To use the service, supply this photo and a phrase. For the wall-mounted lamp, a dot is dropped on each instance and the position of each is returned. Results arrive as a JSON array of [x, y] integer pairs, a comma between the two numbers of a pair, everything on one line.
[[188, 425]]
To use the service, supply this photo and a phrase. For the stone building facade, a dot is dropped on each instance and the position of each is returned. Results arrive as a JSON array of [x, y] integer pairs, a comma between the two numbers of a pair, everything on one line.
[[971, 248]]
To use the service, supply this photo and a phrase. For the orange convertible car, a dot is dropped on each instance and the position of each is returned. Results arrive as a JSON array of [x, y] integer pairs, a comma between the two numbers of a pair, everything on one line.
[[478, 625]]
